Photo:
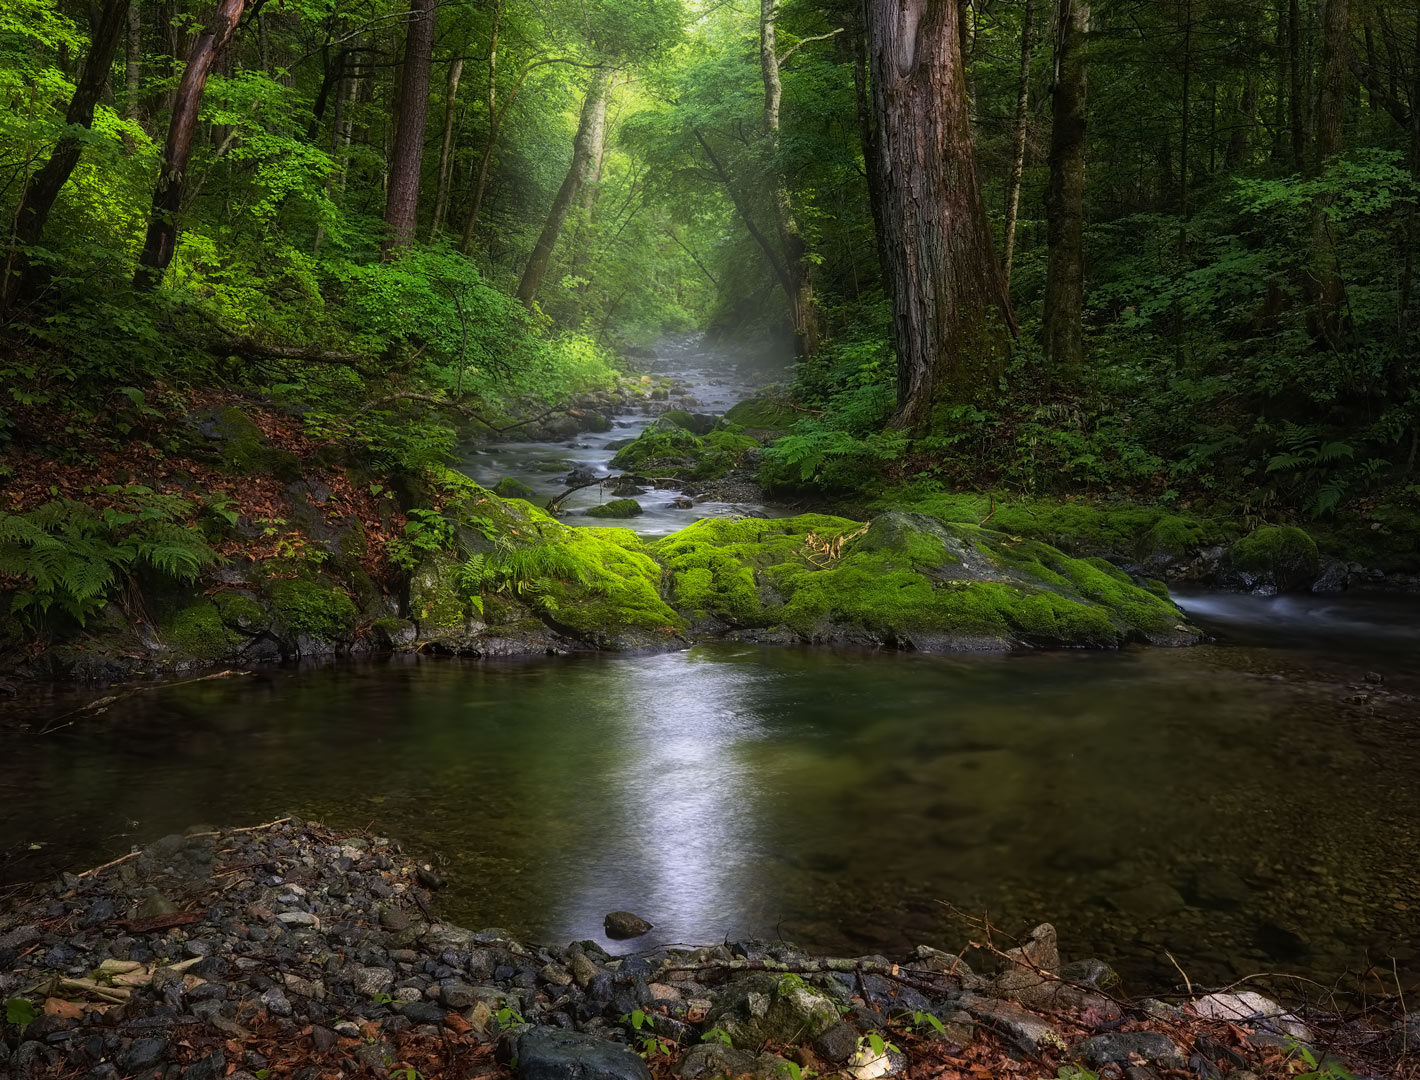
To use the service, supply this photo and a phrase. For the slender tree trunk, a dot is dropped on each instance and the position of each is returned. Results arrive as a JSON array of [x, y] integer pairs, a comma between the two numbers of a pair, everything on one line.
[[1279, 112], [1065, 194], [791, 239], [446, 148], [161, 241], [1296, 99], [1329, 294], [407, 158], [1187, 120], [951, 318], [587, 203], [1018, 139], [1409, 317], [42, 188], [133, 68], [590, 131], [494, 118], [742, 207]]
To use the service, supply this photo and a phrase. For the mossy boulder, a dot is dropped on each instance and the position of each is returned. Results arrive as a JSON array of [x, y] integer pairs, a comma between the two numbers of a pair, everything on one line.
[[197, 632], [671, 451], [767, 1009], [511, 488], [246, 450], [314, 608], [617, 508], [763, 413], [908, 581], [1274, 558], [695, 423], [436, 599]]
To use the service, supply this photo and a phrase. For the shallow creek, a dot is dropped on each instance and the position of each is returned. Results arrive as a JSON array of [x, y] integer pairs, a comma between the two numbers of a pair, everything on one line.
[[1247, 805]]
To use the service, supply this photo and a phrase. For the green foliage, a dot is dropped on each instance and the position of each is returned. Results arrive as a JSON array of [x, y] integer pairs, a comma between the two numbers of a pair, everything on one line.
[[425, 532], [20, 1012], [73, 555]]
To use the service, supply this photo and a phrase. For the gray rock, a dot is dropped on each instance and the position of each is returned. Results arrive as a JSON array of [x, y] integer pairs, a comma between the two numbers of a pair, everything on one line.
[[621, 925], [457, 995], [757, 1010], [547, 1054], [1026, 1030], [1030, 969], [583, 969], [837, 1044], [142, 1054], [1405, 1035], [211, 1067], [1092, 973], [709, 1060], [347, 1029], [1120, 1046], [392, 918], [298, 918], [276, 1002], [369, 981]]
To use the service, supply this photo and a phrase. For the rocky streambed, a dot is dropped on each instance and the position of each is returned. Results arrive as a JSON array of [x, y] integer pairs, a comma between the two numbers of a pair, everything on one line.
[[289, 949]]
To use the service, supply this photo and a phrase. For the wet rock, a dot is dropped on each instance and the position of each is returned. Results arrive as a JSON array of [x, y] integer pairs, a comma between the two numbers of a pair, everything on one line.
[[1120, 1046], [869, 1064], [620, 925], [1025, 1029], [1095, 974], [837, 1044], [1252, 1010], [369, 981], [757, 1010], [211, 1067], [276, 1002], [1031, 967], [545, 1054], [457, 995]]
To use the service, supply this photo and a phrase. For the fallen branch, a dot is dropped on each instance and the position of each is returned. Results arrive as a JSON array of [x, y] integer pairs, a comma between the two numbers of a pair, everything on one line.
[[152, 924], [555, 503], [102, 703], [225, 832]]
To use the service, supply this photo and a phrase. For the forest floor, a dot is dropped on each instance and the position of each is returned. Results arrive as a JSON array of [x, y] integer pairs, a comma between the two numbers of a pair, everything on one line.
[[292, 950]]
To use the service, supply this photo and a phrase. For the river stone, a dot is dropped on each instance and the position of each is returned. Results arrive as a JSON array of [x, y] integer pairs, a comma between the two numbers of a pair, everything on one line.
[[583, 969], [837, 1044], [1026, 1030], [620, 925], [1248, 1007], [142, 1054], [547, 1054], [1093, 973], [1028, 977], [708, 1060], [760, 1009], [1120, 1046], [369, 981]]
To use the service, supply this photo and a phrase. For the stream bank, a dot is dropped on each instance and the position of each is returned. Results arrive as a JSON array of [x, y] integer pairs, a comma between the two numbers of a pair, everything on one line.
[[290, 949]]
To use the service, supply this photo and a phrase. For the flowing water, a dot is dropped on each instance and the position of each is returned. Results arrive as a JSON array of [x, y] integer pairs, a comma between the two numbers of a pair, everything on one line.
[[1247, 805]]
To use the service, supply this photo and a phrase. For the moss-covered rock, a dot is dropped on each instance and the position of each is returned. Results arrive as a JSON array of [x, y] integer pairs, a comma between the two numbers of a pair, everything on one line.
[[1274, 557], [763, 413], [617, 508], [511, 488], [241, 612], [197, 632], [246, 450], [314, 607], [437, 600], [667, 450], [906, 580], [394, 633]]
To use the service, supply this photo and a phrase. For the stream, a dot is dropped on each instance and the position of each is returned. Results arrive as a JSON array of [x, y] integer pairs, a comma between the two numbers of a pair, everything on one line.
[[1246, 805]]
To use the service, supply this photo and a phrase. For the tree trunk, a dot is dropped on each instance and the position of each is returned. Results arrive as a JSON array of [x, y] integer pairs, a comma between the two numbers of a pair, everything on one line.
[[951, 319], [1187, 119], [590, 132], [161, 241], [1065, 194], [446, 150], [791, 239], [494, 116], [1328, 291], [1295, 98], [38, 196], [133, 68], [1018, 140], [407, 156], [587, 203]]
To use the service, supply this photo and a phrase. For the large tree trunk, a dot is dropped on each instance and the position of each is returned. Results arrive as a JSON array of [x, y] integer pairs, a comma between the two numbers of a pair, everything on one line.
[[1296, 100], [590, 132], [133, 68], [407, 156], [446, 147], [43, 187], [161, 241], [1065, 195], [791, 238], [951, 319], [1018, 140]]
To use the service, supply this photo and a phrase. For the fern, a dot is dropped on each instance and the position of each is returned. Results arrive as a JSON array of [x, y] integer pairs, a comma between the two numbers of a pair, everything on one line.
[[70, 555]]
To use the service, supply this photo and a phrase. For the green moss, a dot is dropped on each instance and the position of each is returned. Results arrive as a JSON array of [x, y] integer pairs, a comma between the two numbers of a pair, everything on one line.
[[1282, 555], [680, 418], [618, 535], [246, 450], [673, 451], [763, 413], [314, 607], [617, 508], [436, 595], [241, 612], [510, 488], [198, 632], [1173, 537]]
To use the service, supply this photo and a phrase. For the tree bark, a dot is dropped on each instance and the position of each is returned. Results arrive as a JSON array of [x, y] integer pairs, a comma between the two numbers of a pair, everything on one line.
[[494, 118], [446, 148], [951, 319], [590, 131], [43, 187], [1018, 140], [133, 67], [791, 239], [161, 241], [1065, 194], [1296, 101], [407, 156], [1328, 291]]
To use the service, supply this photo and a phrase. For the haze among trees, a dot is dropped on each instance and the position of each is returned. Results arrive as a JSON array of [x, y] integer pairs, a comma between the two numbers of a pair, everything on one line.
[[1163, 249]]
